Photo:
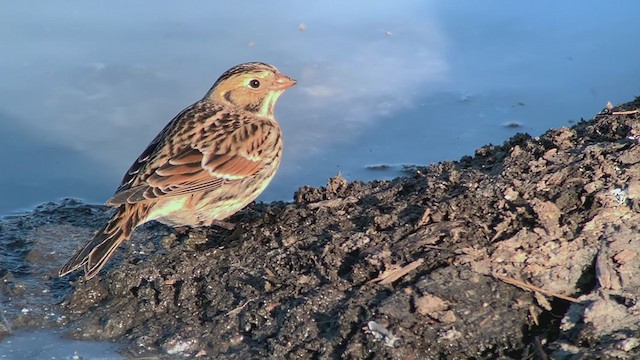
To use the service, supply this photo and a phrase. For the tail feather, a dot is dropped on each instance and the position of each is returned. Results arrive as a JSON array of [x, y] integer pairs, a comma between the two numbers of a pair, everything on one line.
[[102, 253], [95, 254]]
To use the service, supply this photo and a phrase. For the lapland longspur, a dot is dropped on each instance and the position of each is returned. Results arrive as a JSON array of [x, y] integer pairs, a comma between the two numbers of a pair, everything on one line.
[[210, 161]]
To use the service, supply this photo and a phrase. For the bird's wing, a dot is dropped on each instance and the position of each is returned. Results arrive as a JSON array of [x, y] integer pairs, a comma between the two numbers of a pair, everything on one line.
[[137, 170], [213, 158]]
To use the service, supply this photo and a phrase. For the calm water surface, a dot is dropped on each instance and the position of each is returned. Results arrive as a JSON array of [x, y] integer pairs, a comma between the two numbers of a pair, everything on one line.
[[84, 86], [47, 345]]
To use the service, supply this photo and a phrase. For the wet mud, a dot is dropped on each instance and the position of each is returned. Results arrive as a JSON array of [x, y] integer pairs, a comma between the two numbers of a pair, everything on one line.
[[524, 250]]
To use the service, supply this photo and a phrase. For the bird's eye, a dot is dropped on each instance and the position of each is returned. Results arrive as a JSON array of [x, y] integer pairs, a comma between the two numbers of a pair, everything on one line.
[[254, 83]]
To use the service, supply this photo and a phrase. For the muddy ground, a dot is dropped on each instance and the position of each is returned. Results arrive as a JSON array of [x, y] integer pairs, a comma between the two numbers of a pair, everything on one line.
[[527, 250]]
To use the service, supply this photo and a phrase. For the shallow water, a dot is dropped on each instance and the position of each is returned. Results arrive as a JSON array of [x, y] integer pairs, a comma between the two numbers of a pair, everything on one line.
[[48, 345], [85, 86]]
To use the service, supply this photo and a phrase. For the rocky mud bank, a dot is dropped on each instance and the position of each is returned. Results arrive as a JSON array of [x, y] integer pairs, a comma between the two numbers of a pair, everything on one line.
[[525, 250]]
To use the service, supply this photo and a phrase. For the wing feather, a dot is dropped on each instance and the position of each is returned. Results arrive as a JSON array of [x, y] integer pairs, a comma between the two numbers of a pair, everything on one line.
[[232, 156]]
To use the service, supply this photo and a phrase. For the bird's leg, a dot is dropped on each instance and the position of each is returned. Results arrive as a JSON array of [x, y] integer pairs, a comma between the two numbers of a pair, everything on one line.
[[223, 224]]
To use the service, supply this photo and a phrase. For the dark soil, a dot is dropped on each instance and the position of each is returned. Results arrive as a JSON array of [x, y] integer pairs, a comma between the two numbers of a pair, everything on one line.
[[420, 267]]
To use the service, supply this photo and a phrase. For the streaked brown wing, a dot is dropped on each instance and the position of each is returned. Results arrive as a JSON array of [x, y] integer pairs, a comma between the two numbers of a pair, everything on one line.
[[132, 175], [196, 168]]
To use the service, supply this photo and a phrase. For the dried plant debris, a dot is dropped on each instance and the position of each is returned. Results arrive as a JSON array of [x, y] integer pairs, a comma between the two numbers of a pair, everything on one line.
[[412, 261], [394, 273]]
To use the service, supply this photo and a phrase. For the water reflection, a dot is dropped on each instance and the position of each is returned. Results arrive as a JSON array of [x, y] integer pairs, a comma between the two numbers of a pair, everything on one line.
[[35, 168], [85, 86]]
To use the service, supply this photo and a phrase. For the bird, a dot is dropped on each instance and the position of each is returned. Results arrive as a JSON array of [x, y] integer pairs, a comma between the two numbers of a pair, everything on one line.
[[209, 162]]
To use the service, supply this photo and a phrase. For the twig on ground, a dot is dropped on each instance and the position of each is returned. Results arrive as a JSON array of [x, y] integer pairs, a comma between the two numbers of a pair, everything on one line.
[[426, 217], [239, 308], [629, 112], [529, 287], [389, 276]]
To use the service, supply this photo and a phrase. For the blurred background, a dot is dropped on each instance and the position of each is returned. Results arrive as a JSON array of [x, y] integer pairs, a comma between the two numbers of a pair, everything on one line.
[[84, 86]]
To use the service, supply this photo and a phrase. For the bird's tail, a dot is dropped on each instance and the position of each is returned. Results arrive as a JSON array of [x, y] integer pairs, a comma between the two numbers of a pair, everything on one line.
[[96, 252]]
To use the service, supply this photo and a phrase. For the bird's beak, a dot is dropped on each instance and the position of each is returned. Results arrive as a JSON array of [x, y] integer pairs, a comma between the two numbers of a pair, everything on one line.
[[283, 82]]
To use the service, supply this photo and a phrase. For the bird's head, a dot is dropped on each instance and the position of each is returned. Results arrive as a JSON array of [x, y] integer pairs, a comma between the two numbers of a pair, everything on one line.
[[252, 87]]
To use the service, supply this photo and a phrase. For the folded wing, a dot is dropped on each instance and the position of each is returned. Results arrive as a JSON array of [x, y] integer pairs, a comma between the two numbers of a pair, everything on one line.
[[205, 165]]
